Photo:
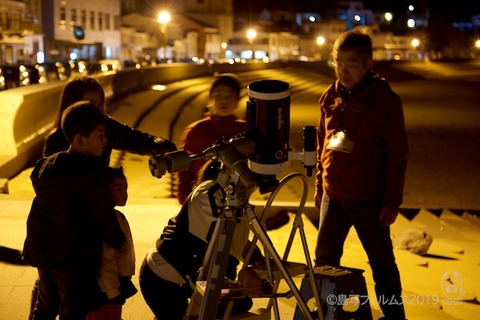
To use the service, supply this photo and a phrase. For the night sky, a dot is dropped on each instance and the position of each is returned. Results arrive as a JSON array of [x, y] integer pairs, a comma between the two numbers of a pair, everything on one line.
[[457, 10]]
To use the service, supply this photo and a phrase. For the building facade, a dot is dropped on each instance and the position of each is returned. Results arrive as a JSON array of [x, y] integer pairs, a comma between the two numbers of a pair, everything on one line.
[[15, 30], [196, 29], [83, 30]]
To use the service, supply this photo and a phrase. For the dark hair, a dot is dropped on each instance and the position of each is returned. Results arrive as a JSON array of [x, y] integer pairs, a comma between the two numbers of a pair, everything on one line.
[[209, 171], [115, 173], [355, 39], [74, 91], [227, 79], [82, 118]]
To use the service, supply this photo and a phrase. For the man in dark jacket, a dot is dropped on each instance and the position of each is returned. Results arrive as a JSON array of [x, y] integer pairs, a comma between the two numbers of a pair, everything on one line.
[[70, 216], [362, 161]]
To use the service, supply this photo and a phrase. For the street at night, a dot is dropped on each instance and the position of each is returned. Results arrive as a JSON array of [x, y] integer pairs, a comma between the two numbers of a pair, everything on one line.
[[153, 66]]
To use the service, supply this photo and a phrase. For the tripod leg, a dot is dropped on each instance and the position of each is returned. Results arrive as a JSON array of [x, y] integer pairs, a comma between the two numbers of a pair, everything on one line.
[[298, 224], [268, 247], [313, 284], [217, 269]]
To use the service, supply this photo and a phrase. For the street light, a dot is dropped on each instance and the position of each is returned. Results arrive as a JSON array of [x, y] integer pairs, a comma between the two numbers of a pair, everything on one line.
[[251, 34], [320, 42], [415, 43], [388, 16], [411, 23], [163, 19]]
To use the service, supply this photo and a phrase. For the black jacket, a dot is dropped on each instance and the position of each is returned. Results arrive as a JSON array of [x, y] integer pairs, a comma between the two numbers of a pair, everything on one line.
[[71, 214], [120, 137]]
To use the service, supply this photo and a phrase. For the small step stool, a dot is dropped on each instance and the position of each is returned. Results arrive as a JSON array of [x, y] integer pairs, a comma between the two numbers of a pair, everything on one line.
[[343, 293], [293, 268], [227, 296]]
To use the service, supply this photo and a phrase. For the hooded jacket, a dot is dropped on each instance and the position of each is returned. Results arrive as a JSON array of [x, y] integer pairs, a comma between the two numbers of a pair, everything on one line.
[[71, 214], [184, 241], [372, 118]]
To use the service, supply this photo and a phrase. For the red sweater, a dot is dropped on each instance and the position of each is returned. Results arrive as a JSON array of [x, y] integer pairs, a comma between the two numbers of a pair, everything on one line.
[[197, 137], [374, 121]]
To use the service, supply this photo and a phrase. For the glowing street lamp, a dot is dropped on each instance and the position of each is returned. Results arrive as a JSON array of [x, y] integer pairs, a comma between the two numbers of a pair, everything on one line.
[[320, 40], [388, 16], [411, 23], [415, 42], [163, 18], [251, 34]]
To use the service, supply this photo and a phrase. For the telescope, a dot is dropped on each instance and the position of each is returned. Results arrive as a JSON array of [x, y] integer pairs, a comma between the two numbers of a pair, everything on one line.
[[265, 144]]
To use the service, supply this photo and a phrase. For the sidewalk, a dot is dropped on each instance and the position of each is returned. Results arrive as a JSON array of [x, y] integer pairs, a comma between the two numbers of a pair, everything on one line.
[[16, 282]]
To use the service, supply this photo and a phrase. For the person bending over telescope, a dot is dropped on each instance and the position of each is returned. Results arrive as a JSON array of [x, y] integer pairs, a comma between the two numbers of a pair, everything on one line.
[[170, 269]]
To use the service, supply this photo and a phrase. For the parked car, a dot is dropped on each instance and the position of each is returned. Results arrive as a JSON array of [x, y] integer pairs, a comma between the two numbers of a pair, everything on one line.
[[10, 74], [52, 71], [29, 74], [103, 66], [138, 63]]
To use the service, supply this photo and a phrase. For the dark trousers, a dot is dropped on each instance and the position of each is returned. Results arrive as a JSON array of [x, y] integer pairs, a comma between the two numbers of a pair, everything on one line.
[[166, 299], [336, 219], [63, 293]]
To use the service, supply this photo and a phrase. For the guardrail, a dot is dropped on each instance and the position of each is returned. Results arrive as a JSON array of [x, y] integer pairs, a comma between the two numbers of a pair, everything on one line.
[[27, 113]]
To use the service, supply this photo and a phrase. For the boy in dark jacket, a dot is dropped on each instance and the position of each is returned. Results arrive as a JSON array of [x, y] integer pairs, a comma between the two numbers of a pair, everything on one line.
[[70, 216]]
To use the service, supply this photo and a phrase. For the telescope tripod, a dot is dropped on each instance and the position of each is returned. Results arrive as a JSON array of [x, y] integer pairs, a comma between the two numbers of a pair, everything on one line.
[[219, 250]]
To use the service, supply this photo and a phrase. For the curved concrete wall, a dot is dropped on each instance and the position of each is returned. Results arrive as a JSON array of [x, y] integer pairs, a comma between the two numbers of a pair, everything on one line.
[[27, 113]]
